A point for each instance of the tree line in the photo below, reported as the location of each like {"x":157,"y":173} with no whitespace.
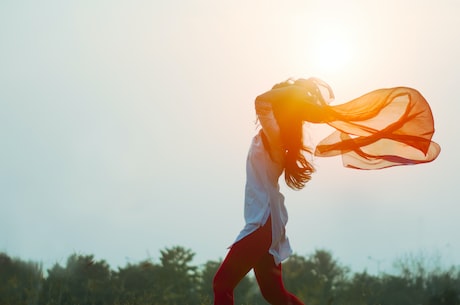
{"x":316,"y":279}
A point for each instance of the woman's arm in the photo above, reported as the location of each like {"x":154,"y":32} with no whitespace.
{"x":270,"y":129}
{"x":294,"y":99}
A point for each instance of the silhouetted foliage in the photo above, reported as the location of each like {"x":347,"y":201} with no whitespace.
{"x":179,"y":279}
{"x":315,"y":279}
{"x":82,"y":281}
{"x":136,"y":284}
{"x":20,"y":282}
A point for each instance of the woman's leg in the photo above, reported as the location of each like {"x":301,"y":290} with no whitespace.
{"x":269,"y":278}
{"x":241,"y":258}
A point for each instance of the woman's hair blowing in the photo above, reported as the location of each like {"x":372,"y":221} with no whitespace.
{"x":288,"y":114}
{"x":297,"y":169}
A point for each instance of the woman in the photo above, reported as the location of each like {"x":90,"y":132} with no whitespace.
{"x":278,"y":147}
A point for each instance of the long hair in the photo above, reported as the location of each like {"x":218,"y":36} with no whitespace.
{"x":297,"y":170}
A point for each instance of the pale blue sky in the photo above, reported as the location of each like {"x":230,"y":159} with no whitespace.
{"x":124,"y":125}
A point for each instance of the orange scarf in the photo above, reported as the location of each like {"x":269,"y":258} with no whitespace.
{"x":383,"y":128}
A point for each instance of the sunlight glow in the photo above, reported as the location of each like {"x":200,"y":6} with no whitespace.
{"x":331,"y":50}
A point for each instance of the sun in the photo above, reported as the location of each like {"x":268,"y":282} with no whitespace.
{"x":331,"y":50}
{"x":326,"y":45}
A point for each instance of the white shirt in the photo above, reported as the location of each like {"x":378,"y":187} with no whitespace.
{"x":264,"y":166}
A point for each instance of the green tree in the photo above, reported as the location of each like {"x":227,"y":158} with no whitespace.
{"x":20,"y":281}
{"x":444,"y":288}
{"x":399,"y":290}
{"x":298,"y":276}
{"x":137,"y":283}
{"x":362,"y":289}
{"x":205,"y":281}
{"x":83,"y":281}
{"x":314,"y":280}
{"x":179,"y":279}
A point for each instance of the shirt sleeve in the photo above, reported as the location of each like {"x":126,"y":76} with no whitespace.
{"x":270,"y":129}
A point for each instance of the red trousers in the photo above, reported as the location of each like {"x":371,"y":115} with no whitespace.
{"x":252,"y":253}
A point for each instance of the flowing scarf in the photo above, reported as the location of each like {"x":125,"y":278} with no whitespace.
{"x":383,"y":128}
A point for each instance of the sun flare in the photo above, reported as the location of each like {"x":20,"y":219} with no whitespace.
{"x":331,"y":50}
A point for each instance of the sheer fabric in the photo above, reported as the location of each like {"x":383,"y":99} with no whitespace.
{"x":383,"y":128}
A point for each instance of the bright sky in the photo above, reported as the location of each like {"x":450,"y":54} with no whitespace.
{"x":124,"y":125}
